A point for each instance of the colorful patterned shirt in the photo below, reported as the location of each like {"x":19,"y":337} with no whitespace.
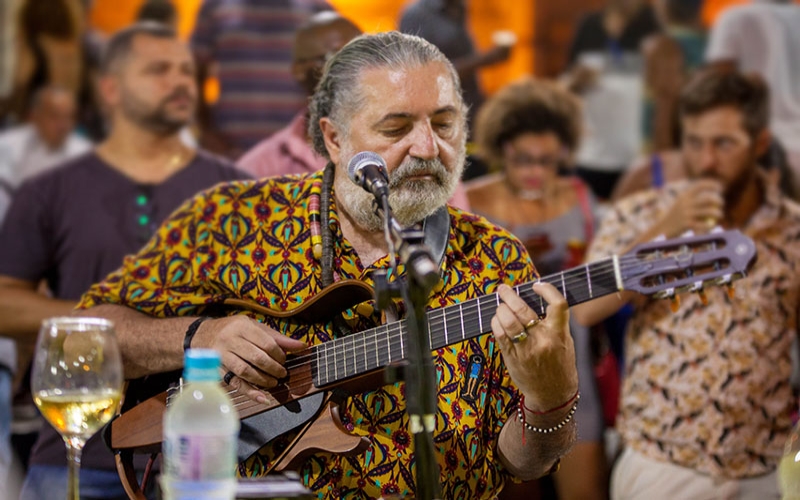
{"x":708,"y":387}
{"x":252,"y":240}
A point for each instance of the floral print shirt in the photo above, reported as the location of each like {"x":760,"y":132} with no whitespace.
{"x":707,"y":387}
{"x":253,"y":240}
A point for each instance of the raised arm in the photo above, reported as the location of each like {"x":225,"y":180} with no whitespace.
{"x":541,"y":364}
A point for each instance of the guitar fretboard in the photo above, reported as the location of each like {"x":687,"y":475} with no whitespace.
{"x":378,"y":347}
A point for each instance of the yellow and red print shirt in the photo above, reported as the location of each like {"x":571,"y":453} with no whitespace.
{"x":252,"y":240}
{"x":707,"y":387}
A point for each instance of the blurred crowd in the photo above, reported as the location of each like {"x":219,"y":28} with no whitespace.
{"x":659,"y":123}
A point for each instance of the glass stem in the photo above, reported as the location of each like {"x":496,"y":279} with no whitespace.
{"x":74,"y":450}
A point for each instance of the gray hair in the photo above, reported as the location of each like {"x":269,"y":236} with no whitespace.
{"x":337,"y":95}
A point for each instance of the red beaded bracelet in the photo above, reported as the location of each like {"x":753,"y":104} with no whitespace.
{"x":552,"y":410}
{"x":525,"y":425}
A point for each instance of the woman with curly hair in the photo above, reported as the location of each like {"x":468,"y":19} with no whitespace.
{"x":529,"y":131}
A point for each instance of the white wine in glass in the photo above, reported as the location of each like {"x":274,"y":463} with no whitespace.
{"x":76,"y":382}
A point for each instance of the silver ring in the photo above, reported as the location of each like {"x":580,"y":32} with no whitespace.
{"x":519,"y":337}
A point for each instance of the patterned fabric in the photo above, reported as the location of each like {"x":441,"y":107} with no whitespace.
{"x":708,"y":387}
{"x":252,"y":240}
{"x":250,"y":42}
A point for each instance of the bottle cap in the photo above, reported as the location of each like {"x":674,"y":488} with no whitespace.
{"x":201,"y":365}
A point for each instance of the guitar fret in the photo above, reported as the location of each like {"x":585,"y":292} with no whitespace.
{"x":364,"y":347}
{"x":563,"y":285}
{"x":461,"y":317}
{"x":444,"y":322}
{"x":327,"y":363}
{"x":335,"y":360}
{"x":388,"y":345}
{"x":402,"y":347}
{"x":317,"y":374}
{"x":589,"y":282}
{"x":377,"y":358}
{"x":480,"y":318}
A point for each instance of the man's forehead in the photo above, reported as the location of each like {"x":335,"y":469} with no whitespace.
{"x":145,"y":48}
{"x":723,"y":118}
{"x":426,"y":89}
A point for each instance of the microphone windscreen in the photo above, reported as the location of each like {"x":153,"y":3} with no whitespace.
{"x":361,"y":160}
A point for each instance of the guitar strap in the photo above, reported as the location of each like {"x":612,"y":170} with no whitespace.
{"x":437,"y":232}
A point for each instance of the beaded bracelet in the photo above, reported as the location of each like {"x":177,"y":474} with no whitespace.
{"x":540,"y":430}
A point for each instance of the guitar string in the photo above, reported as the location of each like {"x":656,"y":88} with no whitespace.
{"x":466,"y":308}
{"x":393,"y":332}
{"x":599,"y":277}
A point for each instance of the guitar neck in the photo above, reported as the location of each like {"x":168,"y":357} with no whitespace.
{"x":379,"y":347}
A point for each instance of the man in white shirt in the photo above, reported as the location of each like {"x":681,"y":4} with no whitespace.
{"x":47,"y":140}
{"x":763,"y":37}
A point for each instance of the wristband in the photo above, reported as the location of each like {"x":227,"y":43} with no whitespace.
{"x":187,"y":340}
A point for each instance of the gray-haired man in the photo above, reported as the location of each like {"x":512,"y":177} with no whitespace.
{"x":396,"y":95}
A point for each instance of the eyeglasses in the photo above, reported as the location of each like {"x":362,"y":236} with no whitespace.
{"x":526,"y":161}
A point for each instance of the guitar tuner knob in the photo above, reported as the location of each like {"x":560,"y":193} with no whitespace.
{"x":724,"y":279}
{"x":687,"y":234}
{"x":703,"y":297}
{"x":667,"y":293}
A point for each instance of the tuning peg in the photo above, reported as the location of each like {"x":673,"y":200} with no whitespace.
{"x":687,"y":234}
{"x":675,"y":303}
{"x":725,"y":279}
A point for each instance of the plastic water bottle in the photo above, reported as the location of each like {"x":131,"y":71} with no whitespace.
{"x":789,"y":468}
{"x":201,"y":428}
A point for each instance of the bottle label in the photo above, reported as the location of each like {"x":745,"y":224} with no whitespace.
{"x":200,"y":457}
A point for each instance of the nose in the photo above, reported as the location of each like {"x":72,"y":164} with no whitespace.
{"x":707,"y":161}
{"x":423,"y":142}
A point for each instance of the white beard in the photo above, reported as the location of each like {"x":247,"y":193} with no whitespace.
{"x":411,"y":200}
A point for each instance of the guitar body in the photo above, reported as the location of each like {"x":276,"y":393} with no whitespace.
{"x":294,"y":405}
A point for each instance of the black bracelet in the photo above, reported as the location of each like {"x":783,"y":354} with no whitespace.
{"x":187,"y":340}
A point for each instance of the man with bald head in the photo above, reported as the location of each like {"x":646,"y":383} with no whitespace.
{"x":288,"y":151}
{"x":48,"y":139}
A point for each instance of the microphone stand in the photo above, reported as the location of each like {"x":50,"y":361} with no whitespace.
{"x":421,"y":392}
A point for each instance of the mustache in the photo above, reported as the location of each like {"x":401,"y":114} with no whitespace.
{"x":179,"y":92}
{"x":417,"y":167}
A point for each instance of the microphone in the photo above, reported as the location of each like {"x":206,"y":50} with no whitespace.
{"x":368,"y":170}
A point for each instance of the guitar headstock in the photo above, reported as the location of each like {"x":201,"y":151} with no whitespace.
{"x":664,"y":267}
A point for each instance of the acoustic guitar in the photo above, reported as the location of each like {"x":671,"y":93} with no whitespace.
{"x":321,"y":376}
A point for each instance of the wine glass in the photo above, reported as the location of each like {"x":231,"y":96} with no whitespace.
{"x":76,"y":382}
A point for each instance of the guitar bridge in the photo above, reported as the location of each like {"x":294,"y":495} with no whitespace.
{"x":174,"y":390}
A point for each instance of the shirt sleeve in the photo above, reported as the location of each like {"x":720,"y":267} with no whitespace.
{"x":168,"y":276}
{"x":613,"y":235}
{"x":724,"y":40}
{"x":26,"y":244}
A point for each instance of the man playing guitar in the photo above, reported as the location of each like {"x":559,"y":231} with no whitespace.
{"x":262,"y":241}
